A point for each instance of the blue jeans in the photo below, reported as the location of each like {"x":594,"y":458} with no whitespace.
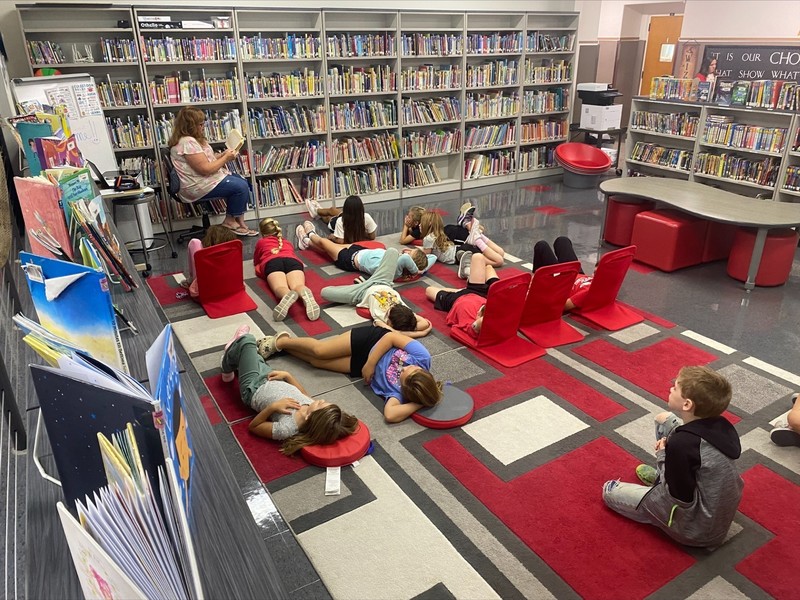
{"x":236,"y":191}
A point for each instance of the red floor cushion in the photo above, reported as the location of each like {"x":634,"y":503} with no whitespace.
{"x":342,"y":452}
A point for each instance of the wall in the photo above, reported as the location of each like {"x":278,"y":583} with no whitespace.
{"x":774,"y":20}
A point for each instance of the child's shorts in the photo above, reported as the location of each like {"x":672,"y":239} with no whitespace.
{"x":332,"y":223}
{"x":362,"y":339}
{"x":344,"y":260}
{"x":445,"y":300}
{"x":282,"y":264}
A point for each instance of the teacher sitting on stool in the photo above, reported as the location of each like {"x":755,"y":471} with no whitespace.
{"x":202,"y":174}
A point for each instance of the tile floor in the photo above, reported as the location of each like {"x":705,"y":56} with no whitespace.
{"x":762,"y":323}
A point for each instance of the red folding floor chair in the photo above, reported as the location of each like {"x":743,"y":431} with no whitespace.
{"x":220,"y":280}
{"x":498,"y":337}
{"x":600,"y":304}
{"x":542,"y":320}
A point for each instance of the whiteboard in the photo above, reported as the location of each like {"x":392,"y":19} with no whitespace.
{"x":79,"y":93}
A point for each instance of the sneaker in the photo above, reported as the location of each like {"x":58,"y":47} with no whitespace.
{"x":243,"y":330}
{"x":647,"y":474}
{"x":312,"y":308}
{"x":302,"y":239}
{"x":282,"y":309}
{"x":463,"y":265}
{"x":459,"y":254}
{"x":783,"y":436}
{"x":474,"y":233}
{"x":309,"y":228}
{"x":269,"y":345}
{"x":465,"y":213}
{"x":794,"y":397}
{"x":313,"y":207}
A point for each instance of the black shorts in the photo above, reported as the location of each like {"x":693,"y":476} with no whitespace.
{"x":362,"y":339}
{"x":332,"y":223}
{"x":445,"y":300}
{"x":456,"y":233}
{"x":282,"y":265}
{"x":344,"y":260}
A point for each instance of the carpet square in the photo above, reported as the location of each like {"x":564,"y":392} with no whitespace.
{"x":632,"y":334}
{"x":228,"y":398}
{"x":344,"y":315}
{"x":333,"y":270}
{"x":717,"y":588}
{"x":165,"y":288}
{"x":759,"y":441}
{"x":752,"y":391}
{"x":264,"y":455}
{"x":202,"y":333}
{"x":519,"y":431}
{"x":307,"y":496}
{"x":641,"y":432}
{"x":454,"y":367}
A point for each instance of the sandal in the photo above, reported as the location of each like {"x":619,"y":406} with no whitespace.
{"x":242,"y":231}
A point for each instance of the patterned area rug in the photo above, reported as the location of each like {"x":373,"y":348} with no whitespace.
{"x":509,"y":505}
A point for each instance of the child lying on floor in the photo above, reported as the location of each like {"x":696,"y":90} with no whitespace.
{"x":435,"y":241}
{"x":377,"y":293}
{"x":562,"y":252}
{"x":285,"y":411}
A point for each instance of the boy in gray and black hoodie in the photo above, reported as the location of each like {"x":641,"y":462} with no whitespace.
{"x":695,"y":487}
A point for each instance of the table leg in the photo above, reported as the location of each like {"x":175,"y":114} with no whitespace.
{"x":143,"y":241}
{"x":755,"y":258}
{"x":602,"y":225}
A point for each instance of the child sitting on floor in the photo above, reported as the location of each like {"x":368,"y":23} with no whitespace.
{"x":437,"y":240}
{"x":787,"y":433}
{"x":275,"y":260}
{"x":411,"y":231}
{"x":216,"y":234}
{"x":695,"y":489}
{"x":377,"y":293}
{"x":348,"y":225}
{"x":285,"y":410}
{"x":355,"y":258}
{"x":394,"y":365}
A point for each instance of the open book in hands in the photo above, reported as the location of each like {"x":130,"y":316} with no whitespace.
{"x":235,"y":140}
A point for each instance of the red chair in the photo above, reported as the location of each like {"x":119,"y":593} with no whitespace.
{"x":220,"y":280}
{"x":542,"y":320}
{"x":600,"y":305}
{"x":582,"y":158}
{"x":498,"y":337}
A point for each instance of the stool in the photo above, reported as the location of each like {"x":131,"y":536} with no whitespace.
{"x":719,"y":240}
{"x":668,"y":239}
{"x":620,"y":213}
{"x":776,"y":261}
{"x":135,"y":200}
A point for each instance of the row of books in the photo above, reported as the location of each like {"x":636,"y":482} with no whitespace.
{"x":311,"y":154}
{"x":296,"y":84}
{"x":363,"y":114}
{"x":316,"y":186}
{"x":278,"y":191}
{"x":145,"y":165}
{"x":174,"y":90}
{"x":537,"y":157}
{"x":674,"y":158}
{"x":672,"y":88}
{"x":431,"y":44}
{"x":365,"y":180}
{"x":430,"y":110}
{"x":419,"y":144}
{"x":792,"y":179}
{"x":120,"y":93}
{"x":287,"y":120}
{"x":541,"y":101}
{"x":486,"y":136}
{"x":498,"y":72}
{"x":502,"y":162}
{"x":751,"y":137}
{"x":292,"y":45}
{"x":494,"y":43}
{"x":684,"y":124}
{"x":497,"y":104}
{"x":547,"y":71}
{"x":420,"y":174}
{"x":216,"y":127}
{"x":541,"y":130}
{"x":43,"y":52}
{"x":118,"y":50}
{"x":360,"y":44}
{"x":130,"y":132}
{"x":382,"y":146}
{"x":730,"y":166}
{"x":430,"y":77}
{"x":549,"y":42}
{"x":170,"y":49}
{"x":796,"y":144}
{"x":344,"y":80}
{"x":189,"y":210}
{"x":777,"y":94}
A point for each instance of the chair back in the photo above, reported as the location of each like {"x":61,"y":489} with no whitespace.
{"x":549,"y":291}
{"x":172,"y":180}
{"x":504,"y":305}
{"x":220,"y":280}
{"x":607,"y":279}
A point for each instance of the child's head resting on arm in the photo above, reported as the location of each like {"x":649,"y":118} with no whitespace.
{"x":401,"y":318}
{"x":324,"y":424}
{"x":419,"y":386}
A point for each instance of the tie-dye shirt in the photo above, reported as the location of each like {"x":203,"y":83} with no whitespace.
{"x":386,"y":380}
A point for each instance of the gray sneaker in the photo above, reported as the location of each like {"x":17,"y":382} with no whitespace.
{"x":463,"y":265}
{"x":282,"y":309}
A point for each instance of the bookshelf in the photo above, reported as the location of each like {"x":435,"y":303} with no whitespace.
{"x":382,"y":103}
{"x":744,"y":150}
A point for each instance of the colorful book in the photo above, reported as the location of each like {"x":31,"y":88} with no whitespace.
{"x":28,"y":133}
{"x":56,"y":152}
{"x":739,"y":93}
{"x":45,"y":225}
{"x":703,"y":91}
{"x":722,"y":93}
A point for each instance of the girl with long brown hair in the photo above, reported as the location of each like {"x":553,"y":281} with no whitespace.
{"x":348,"y":225}
{"x":203,"y":175}
{"x":285,"y":411}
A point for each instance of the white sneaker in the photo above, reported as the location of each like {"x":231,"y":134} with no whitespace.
{"x":463,"y":265}
{"x":302,"y":239}
{"x":312,"y":307}
{"x":309,"y":228}
{"x":474,"y":233}
{"x":313,"y":207}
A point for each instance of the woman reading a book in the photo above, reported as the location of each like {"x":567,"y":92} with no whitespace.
{"x":285,"y":410}
{"x":203,"y":175}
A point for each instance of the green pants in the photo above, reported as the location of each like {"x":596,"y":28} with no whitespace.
{"x":242,"y":355}
{"x":355,"y":293}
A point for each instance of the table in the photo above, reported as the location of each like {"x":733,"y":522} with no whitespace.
{"x":619,"y":133}
{"x":710,"y":203}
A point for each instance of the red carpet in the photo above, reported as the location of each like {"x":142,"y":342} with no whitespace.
{"x":165,"y":288}
{"x":265,"y":455}
{"x":227,"y":397}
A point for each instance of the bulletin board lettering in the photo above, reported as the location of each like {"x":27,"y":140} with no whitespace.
{"x":756,"y":62}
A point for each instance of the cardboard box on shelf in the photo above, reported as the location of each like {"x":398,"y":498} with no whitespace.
{"x":600,"y":118}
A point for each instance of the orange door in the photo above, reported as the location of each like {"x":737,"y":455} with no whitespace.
{"x":662,"y":30}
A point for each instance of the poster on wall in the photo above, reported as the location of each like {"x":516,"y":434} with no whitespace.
{"x":750,"y":63}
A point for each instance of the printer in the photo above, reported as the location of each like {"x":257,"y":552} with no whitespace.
{"x":598,"y":111}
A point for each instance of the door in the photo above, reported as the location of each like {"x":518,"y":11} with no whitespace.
{"x":662,"y":30}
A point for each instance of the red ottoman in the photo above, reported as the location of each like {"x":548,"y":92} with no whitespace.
{"x":621,"y":212}
{"x":776,"y":261}
{"x":668,"y":239}
{"x":719,"y":240}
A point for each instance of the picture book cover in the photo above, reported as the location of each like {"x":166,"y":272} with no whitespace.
{"x":45,"y":225}
{"x":75,"y":183}
{"x":723,"y":91}
{"x":28,"y":133}
{"x":739,"y":93}
{"x":55,"y":152}
{"x":62,"y":292}
{"x":704,"y":91}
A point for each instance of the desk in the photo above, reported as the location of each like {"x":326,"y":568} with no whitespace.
{"x":713,"y":204}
